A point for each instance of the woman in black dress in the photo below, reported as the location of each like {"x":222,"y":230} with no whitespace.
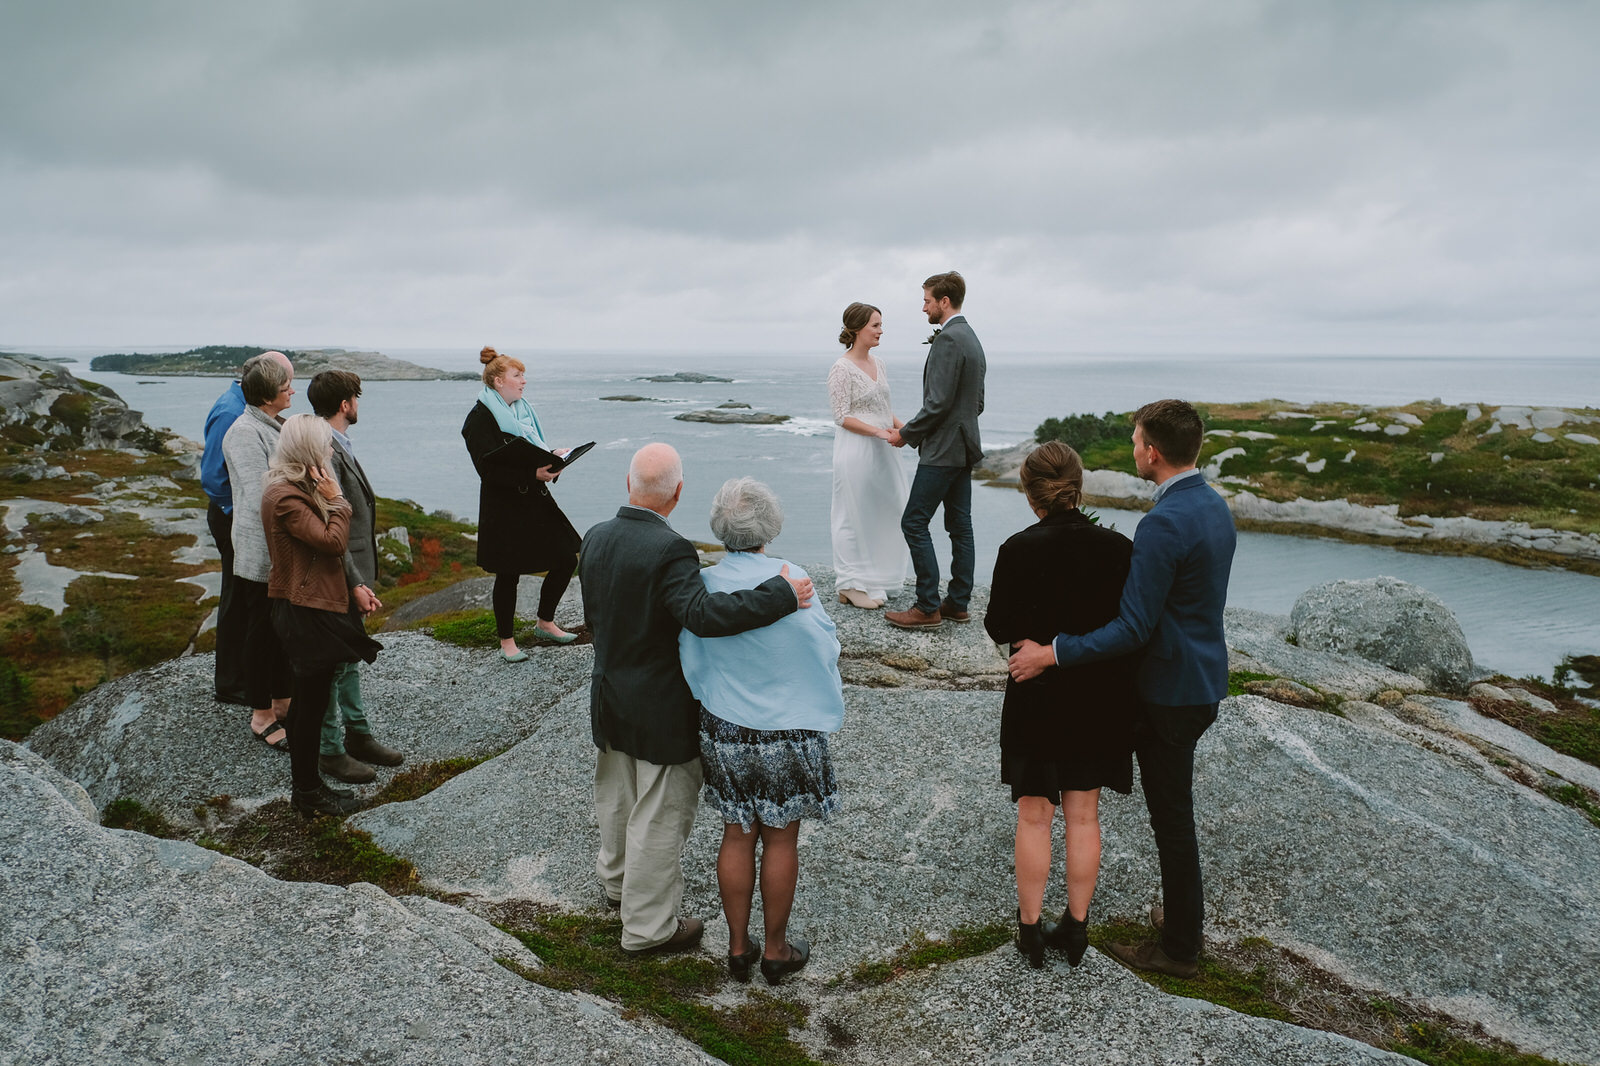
{"x":1065,"y":734}
{"x":520,"y":528}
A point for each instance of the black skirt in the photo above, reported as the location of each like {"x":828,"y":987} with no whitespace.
{"x":315,"y":639}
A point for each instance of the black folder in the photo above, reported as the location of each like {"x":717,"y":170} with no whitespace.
{"x":520,"y":453}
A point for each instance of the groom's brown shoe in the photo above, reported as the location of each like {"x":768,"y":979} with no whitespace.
{"x":1150,"y":957}
{"x":914,"y":618}
{"x":950,"y":614}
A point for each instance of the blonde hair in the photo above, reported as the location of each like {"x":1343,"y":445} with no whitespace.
{"x":303,"y":442}
{"x":1052,"y":476}
{"x":496,"y":365}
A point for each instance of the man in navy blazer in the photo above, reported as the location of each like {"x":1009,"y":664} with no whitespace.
{"x":1172,"y":608}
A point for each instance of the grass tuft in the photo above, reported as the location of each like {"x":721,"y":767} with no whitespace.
{"x":581,"y":954}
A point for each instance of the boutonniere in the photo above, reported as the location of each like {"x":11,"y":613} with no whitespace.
{"x":932,"y":335}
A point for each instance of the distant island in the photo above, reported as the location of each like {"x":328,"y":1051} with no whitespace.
{"x":685,"y":375}
{"x":1516,"y":483}
{"x":224,"y":360}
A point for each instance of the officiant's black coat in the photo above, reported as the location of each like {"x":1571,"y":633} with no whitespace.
{"x":521,"y":530}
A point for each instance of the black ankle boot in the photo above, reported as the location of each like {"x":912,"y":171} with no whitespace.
{"x":311,"y":802}
{"x":1071,"y":936}
{"x":1030,"y":941}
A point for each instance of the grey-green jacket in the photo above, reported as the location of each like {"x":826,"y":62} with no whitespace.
{"x":247,"y":448}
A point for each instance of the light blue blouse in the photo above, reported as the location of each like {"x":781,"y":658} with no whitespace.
{"x":781,"y":676}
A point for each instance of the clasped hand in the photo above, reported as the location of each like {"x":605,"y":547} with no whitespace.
{"x":1030,"y":660}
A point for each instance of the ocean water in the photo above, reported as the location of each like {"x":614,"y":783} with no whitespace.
{"x":1517,"y":620}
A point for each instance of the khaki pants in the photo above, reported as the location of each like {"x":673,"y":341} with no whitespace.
{"x":645,"y":813}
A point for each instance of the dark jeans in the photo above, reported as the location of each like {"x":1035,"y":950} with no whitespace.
{"x":952,"y":487}
{"x":230,"y":671}
{"x":504,"y":597}
{"x":1164,"y":740}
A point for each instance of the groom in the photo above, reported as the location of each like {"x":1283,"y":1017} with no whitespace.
{"x":945,"y":434}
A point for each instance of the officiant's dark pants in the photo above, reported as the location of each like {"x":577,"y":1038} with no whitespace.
{"x":1164,"y":742}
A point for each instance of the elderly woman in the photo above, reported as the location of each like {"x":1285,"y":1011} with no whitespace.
{"x":1065,"y":734}
{"x":520,"y":528}
{"x":307,"y":523}
{"x":247,"y":447}
{"x":769,"y":697}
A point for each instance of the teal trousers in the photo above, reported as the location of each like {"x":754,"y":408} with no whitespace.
{"x":344,"y":706}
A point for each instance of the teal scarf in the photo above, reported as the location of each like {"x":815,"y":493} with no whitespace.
{"x":516,"y":419}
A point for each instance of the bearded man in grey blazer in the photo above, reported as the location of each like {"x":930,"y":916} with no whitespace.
{"x":945,"y":434}
{"x":335,"y":395}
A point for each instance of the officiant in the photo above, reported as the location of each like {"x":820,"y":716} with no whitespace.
{"x":521,"y":530}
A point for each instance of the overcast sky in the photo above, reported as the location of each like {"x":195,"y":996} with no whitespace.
{"x":1215,"y":176}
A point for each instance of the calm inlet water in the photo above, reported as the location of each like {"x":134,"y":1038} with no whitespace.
{"x":1518,"y":621}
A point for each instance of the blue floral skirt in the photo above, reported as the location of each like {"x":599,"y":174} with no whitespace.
{"x":771,"y":776}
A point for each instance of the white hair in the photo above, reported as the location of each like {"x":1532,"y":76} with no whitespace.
{"x":745,"y":515}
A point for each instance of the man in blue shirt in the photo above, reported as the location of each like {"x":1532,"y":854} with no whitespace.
{"x":1172,"y":608}
{"x":229,"y":676}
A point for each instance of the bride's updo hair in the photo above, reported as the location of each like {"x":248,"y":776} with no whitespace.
{"x":856,"y":316}
{"x":496,"y":365}
{"x":1052,"y":476}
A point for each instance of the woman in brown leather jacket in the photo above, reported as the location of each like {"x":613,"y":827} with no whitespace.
{"x":307,"y":522}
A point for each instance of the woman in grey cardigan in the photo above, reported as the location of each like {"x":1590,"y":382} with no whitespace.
{"x":247,"y":448}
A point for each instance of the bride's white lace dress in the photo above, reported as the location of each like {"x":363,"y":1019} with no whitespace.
{"x":869,"y":486}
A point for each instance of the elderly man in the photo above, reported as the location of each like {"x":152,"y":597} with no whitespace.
{"x":229,"y":677}
{"x":641,"y":587}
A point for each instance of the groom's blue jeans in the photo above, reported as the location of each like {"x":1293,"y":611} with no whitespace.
{"x":1164,"y":740}
{"x":952,"y":487}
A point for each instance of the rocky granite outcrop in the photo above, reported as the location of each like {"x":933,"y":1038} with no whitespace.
{"x":44,"y":407}
{"x":1397,"y":844}
{"x":117,"y":947}
{"x":1389,"y":621}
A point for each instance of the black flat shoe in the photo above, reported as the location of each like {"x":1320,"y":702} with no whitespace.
{"x":739,"y":965}
{"x":1071,"y":936}
{"x":1030,"y":941}
{"x":311,"y":802}
{"x":774,"y":969}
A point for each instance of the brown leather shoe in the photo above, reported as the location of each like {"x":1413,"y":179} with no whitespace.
{"x":362,"y":746}
{"x":913,"y":618}
{"x":1150,"y":957}
{"x":950,"y":614}
{"x":346,"y":769}
{"x":687,"y":936}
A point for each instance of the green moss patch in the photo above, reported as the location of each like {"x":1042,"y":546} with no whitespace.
{"x":923,"y":952}
{"x":275,"y":838}
{"x":1573,"y":729}
{"x":125,"y":813}
{"x":581,"y":954}
{"x":1258,"y":978}
{"x":418,"y":781}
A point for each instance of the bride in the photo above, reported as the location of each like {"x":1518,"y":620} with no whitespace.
{"x":870,"y":556}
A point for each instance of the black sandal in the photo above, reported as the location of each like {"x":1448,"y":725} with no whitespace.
{"x":281,"y":744}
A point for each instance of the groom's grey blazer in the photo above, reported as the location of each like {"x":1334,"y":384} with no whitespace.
{"x":945,"y":430}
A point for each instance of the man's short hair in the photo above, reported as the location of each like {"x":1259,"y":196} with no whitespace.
{"x":1174,"y":427}
{"x":262,"y":379}
{"x":330,"y":389}
{"x":952,"y":285}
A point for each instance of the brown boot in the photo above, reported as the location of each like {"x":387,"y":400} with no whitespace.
{"x":363,"y":747}
{"x":346,"y":769}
